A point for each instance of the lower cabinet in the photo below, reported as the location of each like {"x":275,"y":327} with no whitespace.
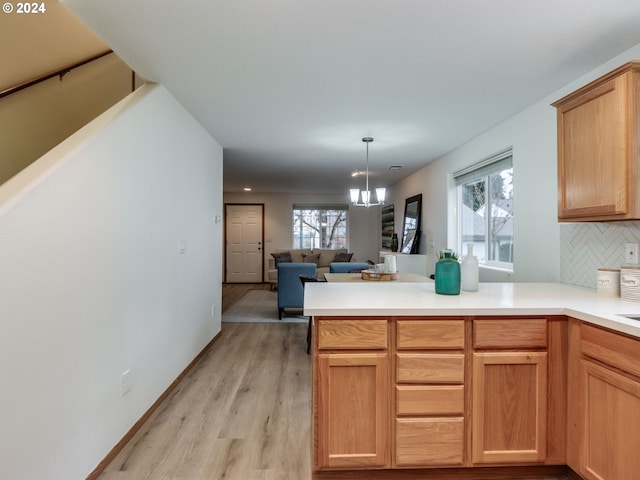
{"x":430,"y":398}
{"x":611,"y":440}
{"x":354,"y":413}
{"x":351,"y":395}
{"x":413,"y":393}
{"x":608,"y":406}
{"x":509,"y":407}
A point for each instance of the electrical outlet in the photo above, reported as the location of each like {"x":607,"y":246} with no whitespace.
{"x":126,"y":382}
{"x":213,"y":311}
{"x":631,"y":253}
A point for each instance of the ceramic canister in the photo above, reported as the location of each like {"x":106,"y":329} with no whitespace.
{"x":608,"y":282}
{"x":390,"y":263}
{"x":630,"y":283}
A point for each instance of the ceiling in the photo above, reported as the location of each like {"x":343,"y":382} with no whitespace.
{"x":289,"y":88}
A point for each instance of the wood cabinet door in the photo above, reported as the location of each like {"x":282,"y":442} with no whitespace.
{"x":594,"y":158}
{"x":352,"y":410}
{"x":611,"y":423}
{"x":509,"y":414}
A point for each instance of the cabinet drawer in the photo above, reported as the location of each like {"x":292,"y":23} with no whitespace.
{"x":611,"y":348}
{"x":429,"y":441}
{"x":430,"y":334}
{"x":430,"y":400}
{"x":352,"y":334}
{"x":430,"y":368}
{"x":510,"y":333}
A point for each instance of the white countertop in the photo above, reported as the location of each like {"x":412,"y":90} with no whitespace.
{"x":403,"y":298}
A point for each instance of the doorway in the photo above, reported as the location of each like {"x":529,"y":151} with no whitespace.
{"x":244,"y":234}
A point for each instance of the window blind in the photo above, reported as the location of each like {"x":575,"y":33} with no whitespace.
{"x":489,"y":166}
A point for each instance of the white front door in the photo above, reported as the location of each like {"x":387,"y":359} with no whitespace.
{"x":244,"y":255}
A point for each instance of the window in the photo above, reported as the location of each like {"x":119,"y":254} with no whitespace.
{"x":317,"y":226}
{"x":485,"y":210}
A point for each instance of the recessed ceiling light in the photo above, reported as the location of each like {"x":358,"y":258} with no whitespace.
{"x":395,"y":167}
{"x":247,"y":189}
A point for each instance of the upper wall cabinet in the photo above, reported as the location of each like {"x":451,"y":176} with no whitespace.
{"x":599,"y":149}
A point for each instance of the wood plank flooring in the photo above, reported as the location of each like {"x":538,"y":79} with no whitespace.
{"x":242,"y":413}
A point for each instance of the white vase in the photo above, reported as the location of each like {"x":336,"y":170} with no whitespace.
{"x":469,"y":271}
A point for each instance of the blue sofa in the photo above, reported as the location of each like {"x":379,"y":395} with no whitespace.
{"x":290,"y":290}
{"x":346,"y":267}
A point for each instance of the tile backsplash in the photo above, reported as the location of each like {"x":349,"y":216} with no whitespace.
{"x":585,"y":247}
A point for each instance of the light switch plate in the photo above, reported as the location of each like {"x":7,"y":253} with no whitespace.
{"x":126,"y":382}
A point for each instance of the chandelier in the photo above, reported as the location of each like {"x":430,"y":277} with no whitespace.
{"x":365,"y":199}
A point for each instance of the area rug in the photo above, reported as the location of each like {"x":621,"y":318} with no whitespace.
{"x":261,"y":306}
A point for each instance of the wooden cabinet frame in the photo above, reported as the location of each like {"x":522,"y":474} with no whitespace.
{"x":429,"y":374}
{"x":598,"y":158}
{"x":369,"y":371}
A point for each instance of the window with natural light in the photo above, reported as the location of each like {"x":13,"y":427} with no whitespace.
{"x":318,"y":226}
{"x":485,"y":210}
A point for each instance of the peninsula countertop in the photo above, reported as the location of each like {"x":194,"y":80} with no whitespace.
{"x":409,"y":299}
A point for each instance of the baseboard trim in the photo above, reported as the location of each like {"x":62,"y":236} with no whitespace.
{"x":462,"y":473}
{"x":571,"y":475}
{"x":136,"y":426}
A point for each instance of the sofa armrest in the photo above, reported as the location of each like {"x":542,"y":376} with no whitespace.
{"x":290,"y":290}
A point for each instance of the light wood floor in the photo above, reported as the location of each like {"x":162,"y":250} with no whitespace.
{"x":242,"y":413}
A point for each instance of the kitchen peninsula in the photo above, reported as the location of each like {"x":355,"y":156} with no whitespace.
{"x":511,"y":381}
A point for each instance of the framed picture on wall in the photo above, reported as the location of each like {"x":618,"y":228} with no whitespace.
{"x":387,"y":225}
{"x":411,"y":226}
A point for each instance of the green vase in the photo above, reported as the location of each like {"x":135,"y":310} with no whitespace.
{"x":447,"y":276}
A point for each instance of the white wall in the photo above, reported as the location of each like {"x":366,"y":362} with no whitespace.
{"x":364,"y":223}
{"x":532,"y":134}
{"x":92,"y":283}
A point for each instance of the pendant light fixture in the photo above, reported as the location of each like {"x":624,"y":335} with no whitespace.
{"x":365,"y":200}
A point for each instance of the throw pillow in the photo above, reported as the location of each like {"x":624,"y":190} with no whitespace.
{"x":343,"y":257}
{"x":311,"y":258}
{"x":281,"y":257}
